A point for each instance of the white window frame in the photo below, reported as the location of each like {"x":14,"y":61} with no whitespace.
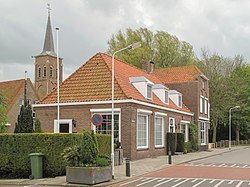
{"x":180,"y":101}
{"x":151,"y":91}
{"x":147,"y":131}
{"x":201,"y":104}
{"x":205,"y":105}
{"x":173,"y":124}
{"x":185,"y":123}
{"x":162,"y":131}
{"x":107,"y":111}
{"x":57,"y":126}
{"x":203,"y":131}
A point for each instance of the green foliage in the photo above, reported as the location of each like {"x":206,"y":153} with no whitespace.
{"x":187,"y":147}
{"x":165,"y":49}
{"x":171,"y":142}
{"x":193,"y":136}
{"x":15,"y":150}
{"x":180,"y":142}
{"x":3,"y":119}
{"x":86,"y":153}
{"x":25,"y":119}
{"x":38,"y":128}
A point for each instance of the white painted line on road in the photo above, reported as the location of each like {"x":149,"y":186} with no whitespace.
{"x":147,"y":182}
{"x":163,"y":182}
{"x":194,"y":180}
{"x":238,"y":185}
{"x":245,"y":166}
{"x":180,"y":182}
{"x":221,"y":165}
{"x":233,"y":165}
{"x":211,"y":181}
{"x":177,"y":180}
{"x":199,"y":183}
{"x":231,"y":182}
{"x":145,"y":179}
{"x":210,"y":164}
{"x":218,"y":184}
{"x":249,"y":184}
{"x":131,"y":181}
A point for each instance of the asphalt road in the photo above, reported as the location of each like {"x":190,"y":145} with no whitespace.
{"x":230,"y":169}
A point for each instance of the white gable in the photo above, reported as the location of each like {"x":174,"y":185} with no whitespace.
{"x":160,"y":91}
{"x":176,"y":97}
{"x":141,"y":84}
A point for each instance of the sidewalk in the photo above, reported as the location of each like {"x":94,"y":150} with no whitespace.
{"x":138,"y":167}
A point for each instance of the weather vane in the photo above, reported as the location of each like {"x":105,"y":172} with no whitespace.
{"x":49,"y":9}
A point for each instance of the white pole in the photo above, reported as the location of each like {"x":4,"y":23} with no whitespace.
{"x":58,"y":82}
{"x":230,"y":128}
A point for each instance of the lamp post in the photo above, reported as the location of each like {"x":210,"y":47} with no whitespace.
{"x":58,"y":82}
{"x":230,"y":128}
{"x":132,"y":46}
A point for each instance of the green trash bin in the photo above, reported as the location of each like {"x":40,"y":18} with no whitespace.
{"x":36,"y":165}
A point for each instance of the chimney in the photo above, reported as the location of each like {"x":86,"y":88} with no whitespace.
{"x":148,"y":66}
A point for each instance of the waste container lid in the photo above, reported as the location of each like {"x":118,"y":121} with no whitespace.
{"x":36,"y":154}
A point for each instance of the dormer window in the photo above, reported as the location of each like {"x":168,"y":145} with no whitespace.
{"x":166,"y":97}
{"x":149,"y":91}
{"x":180,"y":101}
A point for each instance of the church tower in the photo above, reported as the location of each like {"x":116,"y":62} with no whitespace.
{"x":46,"y":64}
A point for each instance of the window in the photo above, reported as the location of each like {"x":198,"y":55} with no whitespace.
{"x":203,"y":84}
{"x":51,"y":71}
{"x":39,"y":72}
{"x":180,"y":101}
{"x":166,"y":97}
{"x":203,"y":132}
{"x":105,"y":128}
{"x":149,"y":91}
{"x":159,"y":132}
{"x":171,"y":125}
{"x":142,"y":131}
{"x":184,"y":130}
{"x":205,"y":106}
{"x":44,"y":71}
{"x":201,"y":104}
{"x":64,"y":126}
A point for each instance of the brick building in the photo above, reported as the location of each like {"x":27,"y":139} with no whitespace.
{"x":14,"y":92}
{"x":193,"y":84}
{"x":145,"y":109}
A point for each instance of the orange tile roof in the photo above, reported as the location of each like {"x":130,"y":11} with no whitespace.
{"x":177,"y":74}
{"x":92,"y":82}
{"x":11,"y":89}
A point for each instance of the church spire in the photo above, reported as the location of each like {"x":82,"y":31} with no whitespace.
{"x":48,"y":47}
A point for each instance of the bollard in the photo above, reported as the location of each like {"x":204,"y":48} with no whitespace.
{"x":127,"y":167}
{"x":169,"y":156}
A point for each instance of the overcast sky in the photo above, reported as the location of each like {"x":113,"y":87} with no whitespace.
{"x":222,"y":26}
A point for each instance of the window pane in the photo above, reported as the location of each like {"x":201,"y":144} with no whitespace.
{"x":149,"y":91}
{"x":142,"y":131}
{"x":158,"y":131}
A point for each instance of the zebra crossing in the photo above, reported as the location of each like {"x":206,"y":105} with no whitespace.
{"x":218,"y":165}
{"x":185,"y":182}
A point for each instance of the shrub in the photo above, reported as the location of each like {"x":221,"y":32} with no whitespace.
{"x":193,"y":136}
{"x":38,"y":128}
{"x":15,"y":150}
{"x":187,"y":147}
{"x":171,"y":142}
{"x":180,"y":142}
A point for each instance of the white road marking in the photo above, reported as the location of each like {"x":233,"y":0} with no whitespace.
{"x":180,"y":182}
{"x":221,"y":165}
{"x":163,"y":182}
{"x":218,"y":184}
{"x":238,"y":185}
{"x":177,"y":180}
{"x":194,"y":180}
{"x":231,"y":182}
{"x":199,"y":183}
{"x":147,"y":182}
{"x":245,"y":166}
{"x":211,"y":181}
{"x":233,"y":165}
{"x":145,"y":179}
{"x":131,"y":181}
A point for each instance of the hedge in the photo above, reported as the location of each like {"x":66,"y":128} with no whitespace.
{"x":180,"y":142}
{"x":171,"y":141}
{"x":15,"y":150}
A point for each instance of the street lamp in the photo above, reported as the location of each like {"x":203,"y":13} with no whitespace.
{"x":58,"y":74}
{"x":132,"y":46}
{"x":230,"y":121}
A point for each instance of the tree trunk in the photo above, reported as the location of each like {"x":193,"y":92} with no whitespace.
{"x":214,"y":131}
